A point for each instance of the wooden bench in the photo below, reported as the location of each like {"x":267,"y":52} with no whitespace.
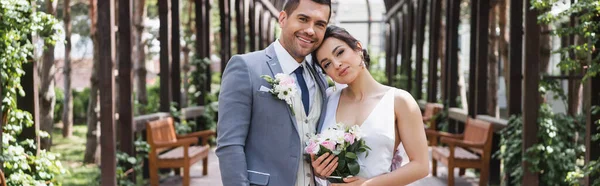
{"x":472,"y":149}
{"x":168,"y":150}
{"x":429,"y":119}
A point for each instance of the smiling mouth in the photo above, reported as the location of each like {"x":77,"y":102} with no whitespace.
{"x":307,"y":41}
{"x":344,"y":71}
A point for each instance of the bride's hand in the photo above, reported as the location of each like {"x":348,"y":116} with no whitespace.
{"x":324,"y":165}
{"x":351,"y":181}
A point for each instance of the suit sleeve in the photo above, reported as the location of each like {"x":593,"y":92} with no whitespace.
{"x":235,"y":105}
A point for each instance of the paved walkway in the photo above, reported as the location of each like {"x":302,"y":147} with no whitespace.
{"x":214,"y":176}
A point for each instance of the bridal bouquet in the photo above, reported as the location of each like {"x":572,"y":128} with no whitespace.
{"x":344,"y":142}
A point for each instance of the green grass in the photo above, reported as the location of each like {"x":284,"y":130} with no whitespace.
{"x":72,"y":150}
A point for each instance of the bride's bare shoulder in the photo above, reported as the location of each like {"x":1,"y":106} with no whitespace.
{"x":404,"y":100}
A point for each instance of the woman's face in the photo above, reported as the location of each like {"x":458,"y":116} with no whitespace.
{"x":340,"y":62}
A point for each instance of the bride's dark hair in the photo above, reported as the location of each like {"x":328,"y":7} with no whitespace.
{"x":341,"y":34}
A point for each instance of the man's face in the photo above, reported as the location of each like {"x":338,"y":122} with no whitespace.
{"x":302,"y":31}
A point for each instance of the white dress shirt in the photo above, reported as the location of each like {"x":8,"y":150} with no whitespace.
{"x":289,"y":65}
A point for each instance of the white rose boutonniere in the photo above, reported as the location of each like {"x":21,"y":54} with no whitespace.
{"x":284,"y":88}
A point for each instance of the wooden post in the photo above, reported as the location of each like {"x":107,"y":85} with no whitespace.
{"x":408,"y":43}
{"x":398,"y":46}
{"x":106,"y":38}
{"x":207,"y":45}
{"x":240,"y":23}
{"x":452,"y":62}
{"x":434,"y":41}
{"x":202,"y":42}
{"x":393,"y":50}
{"x":252,"y":25}
{"x":261,"y":28}
{"x":388,"y":52}
{"x":452,"y":53}
{"x":593,"y":147}
{"x":175,"y":55}
{"x":531,"y":79}
{"x":224,"y":10}
{"x":125,"y":82}
{"x":165,"y":54}
{"x":421,"y":17}
{"x":515,"y":65}
{"x":483,"y":11}
{"x":473,"y":61}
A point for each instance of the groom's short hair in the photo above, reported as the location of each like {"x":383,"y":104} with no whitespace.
{"x":291,"y":5}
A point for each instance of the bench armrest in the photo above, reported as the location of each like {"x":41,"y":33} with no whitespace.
{"x":179,"y":142}
{"x":461,"y":143}
{"x":204,"y":133}
{"x":434,"y":133}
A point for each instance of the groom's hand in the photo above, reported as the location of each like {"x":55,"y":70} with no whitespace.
{"x":324,"y":165}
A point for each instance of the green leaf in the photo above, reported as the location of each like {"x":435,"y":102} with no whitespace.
{"x":353,"y":167}
{"x":350,"y":155}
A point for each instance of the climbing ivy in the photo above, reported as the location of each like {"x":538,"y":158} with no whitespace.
{"x":22,"y":166}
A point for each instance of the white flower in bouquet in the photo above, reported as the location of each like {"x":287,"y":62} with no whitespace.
{"x":356,"y":131}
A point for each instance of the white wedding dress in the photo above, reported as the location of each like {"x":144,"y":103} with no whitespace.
{"x":379,"y":135}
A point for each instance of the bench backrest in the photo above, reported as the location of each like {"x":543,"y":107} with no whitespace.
{"x":160,"y":131}
{"x":431,"y":109}
{"x":478,"y":131}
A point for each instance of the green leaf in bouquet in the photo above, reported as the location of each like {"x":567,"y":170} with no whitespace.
{"x":353,"y":167}
{"x":350,"y":155}
{"x":354,"y":147}
{"x":323,"y":150}
{"x":341,"y":164}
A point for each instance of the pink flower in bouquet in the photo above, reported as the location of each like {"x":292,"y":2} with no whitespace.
{"x":329,"y":145}
{"x":312,"y":148}
{"x":349,"y":138}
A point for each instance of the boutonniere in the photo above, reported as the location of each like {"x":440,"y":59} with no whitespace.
{"x":284,"y":88}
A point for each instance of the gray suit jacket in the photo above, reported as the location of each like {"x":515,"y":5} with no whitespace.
{"x":258,"y":142}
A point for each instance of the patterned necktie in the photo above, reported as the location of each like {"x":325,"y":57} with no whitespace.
{"x":300,"y":78}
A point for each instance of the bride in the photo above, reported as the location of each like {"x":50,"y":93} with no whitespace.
{"x":386,"y":115}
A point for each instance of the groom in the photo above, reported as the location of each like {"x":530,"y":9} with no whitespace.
{"x":260,"y":137}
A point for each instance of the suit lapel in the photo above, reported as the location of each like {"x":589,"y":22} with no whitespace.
{"x":275,"y":67}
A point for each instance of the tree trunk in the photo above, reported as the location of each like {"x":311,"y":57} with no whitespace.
{"x":492,"y":89}
{"x":91,"y":144}
{"x":67,"y":115}
{"x":138,"y":52}
{"x":503,"y":39}
{"x":47,"y":96}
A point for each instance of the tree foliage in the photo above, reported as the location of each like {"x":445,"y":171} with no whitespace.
{"x":587,"y":29}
